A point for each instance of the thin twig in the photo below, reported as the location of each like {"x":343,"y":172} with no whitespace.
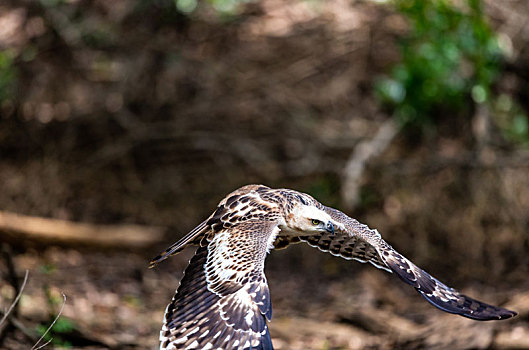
{"x":51,"y":326}
{"x":16,"y":299}
{"x":43,"y":345}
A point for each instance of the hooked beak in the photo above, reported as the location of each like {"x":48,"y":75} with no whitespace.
{"x":330,"y":227}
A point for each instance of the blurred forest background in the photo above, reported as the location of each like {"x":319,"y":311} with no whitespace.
{"x":124,"y":122}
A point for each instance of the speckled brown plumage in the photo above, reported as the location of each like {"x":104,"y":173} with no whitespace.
{"x":223,"y":301}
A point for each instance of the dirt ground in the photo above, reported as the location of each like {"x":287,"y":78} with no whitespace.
{"x":116,"y":302}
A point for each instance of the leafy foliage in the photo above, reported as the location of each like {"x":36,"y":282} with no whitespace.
{"x":511,"y":120}
{"x":449,"y":54}
{"x":62,"y":327}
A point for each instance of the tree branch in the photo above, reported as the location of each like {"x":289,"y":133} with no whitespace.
{"x":363,"y":153}
{"x":71,"y":233}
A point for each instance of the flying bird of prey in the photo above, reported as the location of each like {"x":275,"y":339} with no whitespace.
{"x":223,"y":301}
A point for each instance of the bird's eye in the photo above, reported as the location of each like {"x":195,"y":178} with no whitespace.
{"x":315,"y":222}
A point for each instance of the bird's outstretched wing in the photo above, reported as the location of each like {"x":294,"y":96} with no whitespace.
{"x":223,"y":300}
{"x":357,"y":241}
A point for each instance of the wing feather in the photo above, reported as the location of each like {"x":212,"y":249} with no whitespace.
{"x":440,"y":295}
{"x":193,"y":237}
{"x":357,"y":241}
{"x":223,"y":301}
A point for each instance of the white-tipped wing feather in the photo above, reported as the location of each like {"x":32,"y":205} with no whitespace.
{"x":387,"y":258}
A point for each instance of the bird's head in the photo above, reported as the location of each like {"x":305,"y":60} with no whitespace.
{"x":310,"y":219}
